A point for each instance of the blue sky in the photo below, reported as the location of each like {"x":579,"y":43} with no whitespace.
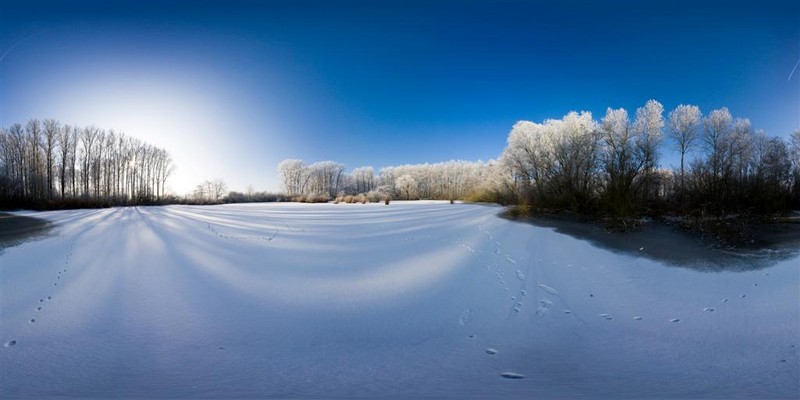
{"x":231,"y":88}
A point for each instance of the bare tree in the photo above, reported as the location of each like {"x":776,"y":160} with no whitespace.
{"x":64,"y":145}
{"x":51,"y":134}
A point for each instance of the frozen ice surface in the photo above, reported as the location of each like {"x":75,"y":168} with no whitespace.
{"x":375,"y":301}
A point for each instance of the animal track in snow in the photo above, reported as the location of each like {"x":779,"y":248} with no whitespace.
{"x":491,"y":351}
{"x":10,"y":343}
{"x":246,"y":237}
{"x":675,"y":320}
{"x":511,"y":260}
{"x":464,"y":317}
{"x":708,"y":309}
{"x":512,"y":375}
{"x":606,"y":317}
{"x":521,"y":276}
{"x":567,"y":312}
{"x":638,"y":318}
{"x":544,"y":307}
{"x":724,"y":301}
{"x":548,"y":289}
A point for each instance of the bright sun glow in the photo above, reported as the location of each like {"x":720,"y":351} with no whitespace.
{"x":174,"y":114}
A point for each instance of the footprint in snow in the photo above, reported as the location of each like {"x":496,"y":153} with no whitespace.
{"x":520,"y":275}
{"x":511,"y":260}
{"x":32,"y":320}
{"x":708,"y":309}
{"x":464,"y":317}
{"x":724,"y":301}
{"x":10,"y":343}
{"x":544,"y":308}
{"x":638,"y":318}
{"x":675,"y":320}
{"x":567,"y":312}
{"x":38,"y":308}
{"x":512,"y":375}
{"x":491,"y":351}
{"x":548,"y":289}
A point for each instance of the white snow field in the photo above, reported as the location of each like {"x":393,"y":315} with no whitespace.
{"x":417,"y":299}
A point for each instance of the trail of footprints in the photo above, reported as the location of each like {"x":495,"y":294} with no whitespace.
{"x":242,"y":237}
{"x":545,"y":304}
{"x":41,"y":303}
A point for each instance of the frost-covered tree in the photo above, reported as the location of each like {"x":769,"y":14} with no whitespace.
{"x":406,"y":186}
{"x":324,"y":178}
{"x":683,"y":124}
{"x":363,"y":179}
{"x":292,"y":176}
{"x":648,"y":126}
{"x":622,"y":159}
{"x":716,"y":135}
{"x":573,"y":171}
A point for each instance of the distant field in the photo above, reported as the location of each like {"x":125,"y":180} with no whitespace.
{"x":352,"y":300}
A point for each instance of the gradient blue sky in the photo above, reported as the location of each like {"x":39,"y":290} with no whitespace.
{"x":230,"y":88}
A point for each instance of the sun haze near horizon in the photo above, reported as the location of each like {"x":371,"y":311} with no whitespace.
{"x":232,"y":88}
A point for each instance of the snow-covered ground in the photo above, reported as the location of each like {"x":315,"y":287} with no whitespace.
{"x":410,"y":299}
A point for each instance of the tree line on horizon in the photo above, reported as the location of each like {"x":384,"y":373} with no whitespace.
{"x":327,"y":180}
{"x":45,"y":164}
{"x":611,"y":167}
{"x":607,"y":168}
